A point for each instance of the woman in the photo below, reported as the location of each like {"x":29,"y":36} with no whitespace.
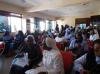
{"x":78,"y":45}
{"x":93,"y":35}
{"x":8,"y":39}
{"x":52,"y":60}
{"x":34,"y":56}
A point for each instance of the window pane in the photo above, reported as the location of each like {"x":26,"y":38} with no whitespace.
{"x":42,"y":25}
{"x":4,"y":26}
{"x":15,"y":24}
{"x":24,"y":25}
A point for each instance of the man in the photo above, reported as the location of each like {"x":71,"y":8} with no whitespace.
{"x":89,"y":63}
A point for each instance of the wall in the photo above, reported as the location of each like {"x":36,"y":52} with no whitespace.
{"x":68,"y":20}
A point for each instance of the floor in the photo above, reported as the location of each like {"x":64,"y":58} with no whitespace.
{"x":5,"y":64}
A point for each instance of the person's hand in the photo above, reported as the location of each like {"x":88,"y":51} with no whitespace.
{"x":83,"y":71}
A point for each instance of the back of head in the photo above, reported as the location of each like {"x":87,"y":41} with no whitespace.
{"x":97,"y":41}
{"x":50,"y":43}
{"x":30,"y":39}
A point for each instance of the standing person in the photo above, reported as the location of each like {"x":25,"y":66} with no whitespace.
{"x":57,"y":28}
{"x":27,"y":33}
{"x":7,"y":38}
{"x":19,"y":38}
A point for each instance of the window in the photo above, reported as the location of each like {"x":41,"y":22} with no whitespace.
{"x":42,"y":25}
{"x":53,"y":25}
{"x":15,"y":23}
{"x":4,"y":26}
{"x":82,"y":26}
{"x":32,"y":24}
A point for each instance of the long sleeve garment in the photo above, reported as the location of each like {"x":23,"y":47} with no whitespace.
{"x":52,"y":61}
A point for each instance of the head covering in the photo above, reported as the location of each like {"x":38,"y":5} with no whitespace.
{"x":51,"y":43}
{"x":30,"y":37}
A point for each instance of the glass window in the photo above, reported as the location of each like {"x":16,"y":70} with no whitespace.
{"x":15,"y":23}
{"x":42,"y":25}
{"x":24,"y":25}
{"x":82,"y":26}
{"x":4,"y":26}
{"x":32,"y":24}
{"x":53,"y":25}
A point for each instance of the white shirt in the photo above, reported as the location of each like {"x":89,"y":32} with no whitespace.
{"x":94,"y":37}
{"x":52,"y":63}
{"x":58,"y":39}
{"x":78,"y":64}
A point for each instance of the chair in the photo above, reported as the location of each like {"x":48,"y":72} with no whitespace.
{"x":60,"y":45}
{"x":68,"y":61}
{"x":2,"y":47}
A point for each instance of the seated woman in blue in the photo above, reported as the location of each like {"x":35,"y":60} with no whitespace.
{"x":78,"y":45}
{"x":7,"y":38}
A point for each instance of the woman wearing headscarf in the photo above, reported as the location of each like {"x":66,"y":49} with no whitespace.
{"x":34,"y":55}
{"x":52,"y":60}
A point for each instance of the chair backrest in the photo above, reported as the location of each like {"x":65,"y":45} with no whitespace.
{"x":2,"y":47}
{"x":60,"y":45}
{"x":67,"y":60}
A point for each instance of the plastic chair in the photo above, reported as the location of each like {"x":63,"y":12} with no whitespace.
{"x":67,"y":61}
{"x":2,"y":47}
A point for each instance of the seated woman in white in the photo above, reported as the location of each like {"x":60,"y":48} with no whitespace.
{"x":93,"y":35}
{"x":52,"y":58}
{"x":60,"y":38}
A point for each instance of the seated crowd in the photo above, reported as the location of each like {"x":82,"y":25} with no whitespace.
{"x":66,"y":51}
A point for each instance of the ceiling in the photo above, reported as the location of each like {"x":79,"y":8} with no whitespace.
{"x":58,"y":7}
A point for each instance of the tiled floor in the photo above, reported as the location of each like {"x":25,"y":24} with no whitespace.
{"x":6,"y":64}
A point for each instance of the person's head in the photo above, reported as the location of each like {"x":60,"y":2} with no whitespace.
{"x":30,"y":40}
{"x":60,"y":35}
{"x":78,"y":36}
{"x":6,"y":33}
{"x":20,"y":32}
{"x":50,"y":43}
{"x":28,"y":31}
{"x":92,"y":32}
{"x":97,"y":47}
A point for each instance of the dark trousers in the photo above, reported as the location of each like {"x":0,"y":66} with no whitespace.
{"x":18,"y":70}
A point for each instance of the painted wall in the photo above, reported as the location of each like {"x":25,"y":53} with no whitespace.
{"x":68,"y":20}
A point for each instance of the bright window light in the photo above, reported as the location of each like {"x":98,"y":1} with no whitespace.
{"x":32,"y":24}
{"x":24,"y":25}
{"x":53,"y":25}
{"x":47,"y":25}
{"x":42,"y":25}
{"x":15,"y":24}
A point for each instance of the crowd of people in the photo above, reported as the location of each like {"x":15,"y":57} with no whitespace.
{"x":44,"y":50}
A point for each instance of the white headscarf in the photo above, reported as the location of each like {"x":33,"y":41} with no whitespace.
{"x":50,"y":42}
